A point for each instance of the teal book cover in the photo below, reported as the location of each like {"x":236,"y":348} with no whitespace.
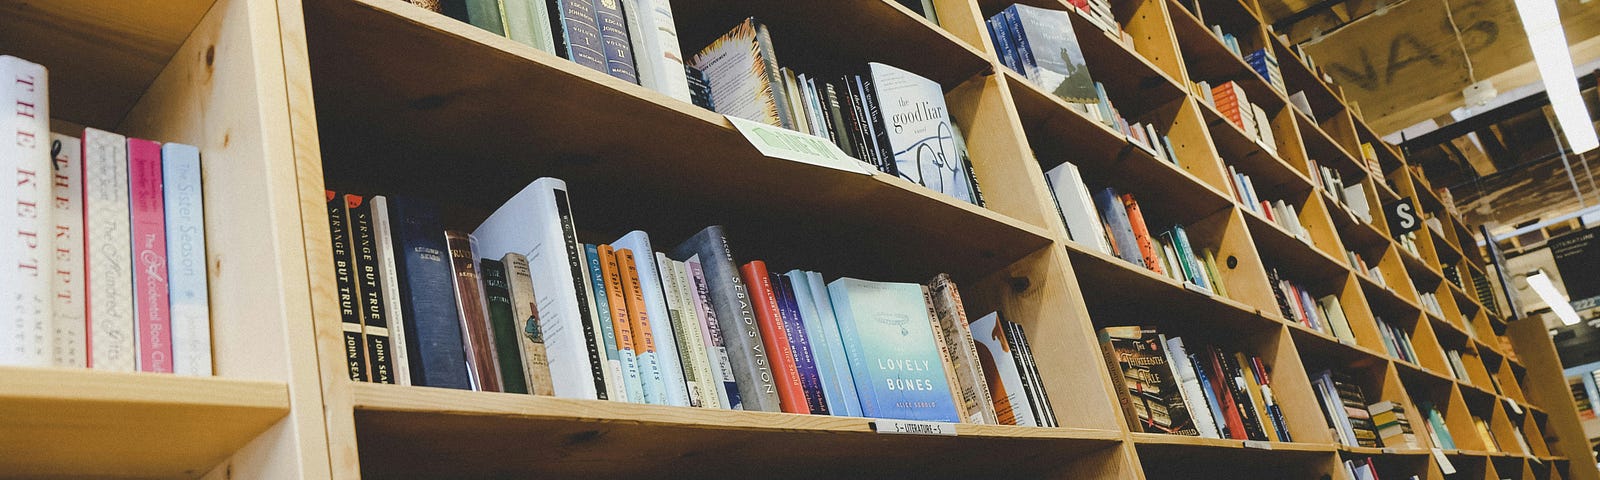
{"x":888,"y":338}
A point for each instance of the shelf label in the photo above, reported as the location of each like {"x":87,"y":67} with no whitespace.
{"x":907,"y":427}
{"x":1258,"y":444}
{"x":784,"y":144}
{"x":1388,"y":451}
{"x":1514,"y":406}
{"x":1196,"y":289}
{"x":1444,"y":462}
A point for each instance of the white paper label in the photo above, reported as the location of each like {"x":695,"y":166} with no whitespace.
{"x":907,"y":427}
{"x":1444,"y":462}
{"x":1514,"y":406}
{"x":784,"y":144}
{"x":1258,"y":444}
{"x":1196,"y":289}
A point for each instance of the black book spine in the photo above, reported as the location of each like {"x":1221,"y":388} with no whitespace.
{"x":1043,"y":395}
{"x":578,"y":262}
{"x":427,"y":295}
{"x":859,"y":131}
{"x":369,"y":284}
{"x":344,"y":276}
{"x":1241,"y":394}
{"x":1009,"y":330}
{"x":880,"y":132}
{"x":836,"y":120}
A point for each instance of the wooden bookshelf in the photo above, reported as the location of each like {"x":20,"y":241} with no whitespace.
{"x":290,"y":97}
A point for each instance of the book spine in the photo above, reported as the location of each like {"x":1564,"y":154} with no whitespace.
{"x":68,"y":308}
{"x":1120,"y":229}
{"x":1019,"y":41}
{"x":849,"y":397}
{"x":108,"y":260}
{"x":709,"y":375}
{"x":600,"y":304}
{"x":472,"y":313}
{"x":946,"y":357}
{"x":716,"y":349}
{"x":503,"y":326}
{"x":1141,"y":234}
{"x":427,"y":292}
{"x":684,"y":336}
{"x":1042,"y":397}
{"x":1241,"y":397}
{"x":345,"y":283}
{"x":383,"y":234}
{"x":880,"y":131}
{"x":1028,"y":386}
{"x":837,"y":117}
{"x":576,"y":33}
{"x":1222,"y":385}
{"x":186,"y":260}
{"x":621,"y":324}
{"x":769,"y":58}
{"x":953,"y":319}
{"x":25,"y":250}
{"x":614,"y":40}
{"x":1108,"y":349}
{"x":1213,"y":403}
{"x":791,"y":393}
{"x":655,"y":47}
{"x":644,"y":341}
{"x":536,"y":361}
{"x":369,"y":292}
{"x":732,"y":303}
{"x":794,"y":328}
{"x":1193,"y":396}
{"x":151,"y":307}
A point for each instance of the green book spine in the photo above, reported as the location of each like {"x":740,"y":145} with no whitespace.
{"x":486,"y":14}
{"x":503,"y":322}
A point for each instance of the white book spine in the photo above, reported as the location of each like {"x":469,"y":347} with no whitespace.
{"x":70,"y":344}
{"x":691,"y":334}
{"x":391,"y":290}
{"x":26,"y":266}
{"x":1189,"y":385}
{"x":655,"y":306}
{"x":186,"y":260}
{"x":660,"y":30}
{"x":537,"y":224}
{"x":1083,"y":220}
{"x":710,"y":332}
{"x":108,"y":254}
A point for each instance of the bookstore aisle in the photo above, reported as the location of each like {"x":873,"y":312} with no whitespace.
{"x":1131,"y":239}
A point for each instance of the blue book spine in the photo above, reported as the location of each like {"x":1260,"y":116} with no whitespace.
{"x":888,"y":337}
{"x":186,"y":260}
{"x":804,"y":359}
{"x":1019,"y":42}
{"x":1186,"y":251}
{"x":1002,"y":43}
{"x":1211,"y":395}
{"x":602,"y":311}
{"x":427,"y":295}
{"x":577,"y":33}
{"x":1121,"y":229}
{"x":850,"y":403}
{"x":614,"y":40}
{"x":816,"y":340}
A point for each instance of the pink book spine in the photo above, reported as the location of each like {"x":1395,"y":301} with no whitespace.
{"x":151,"y":314}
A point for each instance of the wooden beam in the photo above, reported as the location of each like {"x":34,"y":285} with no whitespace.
{"x":1406,"y":65}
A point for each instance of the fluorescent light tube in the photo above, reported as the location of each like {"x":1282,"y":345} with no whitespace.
{"x":1542,"y":22}
{"x":1558,"y":303}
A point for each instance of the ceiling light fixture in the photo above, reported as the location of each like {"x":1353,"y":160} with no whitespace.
{"x":1542,"y":22}
{"x":1557,"y":302}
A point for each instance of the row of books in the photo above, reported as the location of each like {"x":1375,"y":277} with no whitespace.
{"x":1458,"y":368}
{"x":1365,"y":469}
{"x":1345,"y":409}
{"x":1041,"y":45}
{"x":1408,"y":242}
{"x":1369,"y":159}
{"x":1209,"y":391}
{"x":1231,"y":101}
{"x":1370,"y":271}
{"x":1353,"y":196}
{"x":1438,"y":432}
{"x":1265,"y":64}
{"x":1279,"y":212}
{"x":521,"y":306}
{"x":1113,"y":223}
{"x":105,"y":239}
{"x":1297,"y":304}
{"x":1396,"y":342}
{"x":853,"y":111}
{"x":1430,"y":302}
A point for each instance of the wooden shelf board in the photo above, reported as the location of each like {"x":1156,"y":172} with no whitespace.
{"x":1322,"y":147}
{"x":101,"y":55}
{"x":57,"y":422}
{"x":1354,"y":233}
{"x":1386,"y":302}
{"x":1122,"y":291}
{"x":1421,"y":272}
{"x":1329,"y":351}
{"x":1270,"y":173}
{"x":1210,"y":61}
{"x":1421,"y":373}
{"x":1297,"y":76}
{"x":413,"y":91}
{"x":431,"y":432}
{"x":1279,"y":248}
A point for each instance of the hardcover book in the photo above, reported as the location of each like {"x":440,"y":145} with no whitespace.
{"x":654,"y":33}
{"x":919,"y":136}
{"x":1118,"y":226}
{"x":536,"y":361}
{"x":655,"y":305}
{"x":843,"y":379}
{"x":70,"y":349}
{"x":1149,"y":389}
{"x":1189,"y":384}
{"x":108,"y":259}
{"x":889,"y":340}
{"x":614,"y":40}
{"x":769,"y":316}
{"x":427,"y":295}
{"x":692,"y":333}
{"x":383,"y":232}
{"x":641,"y":324}
{"x":186,"y":260}
{"x":376,"y":343}
{"x":528,"y":22}
{"x":152,"y":318}
{"x":686,"y":339}
{"x":26,"y":219}
{"x":800,"y":343}
{"x":503,"y":326}
{"x":711,"y":330}
{"x":823,"y":347}
{"x":1000,"y":372}
{"x":1076,"y":208}
{"x":732,"y":303}
{"x":743,"y":72}
{"x":575,"y":32}
{"x":621,"y":323}
{"x":473,"y":313}
{"x":1051,"y":55}
{"x":537,"y":223}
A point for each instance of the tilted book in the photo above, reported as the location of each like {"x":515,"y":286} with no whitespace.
{"x":743,"y":71}
{"x":537,"y":223}
{"x":823,"y":346}
{"x":686,"y":338}
{"x":1147,"y":381}
{"x":503,"y":326}
{"x":731,"y":301}
{"x":186,"y":260}
{"x":473,"y":313}
{"x":427,"y":295}
{"x":1076,"y":208}
{"x":107,"y":256}
{"x":369,"y":287}
{"x":1000,"y":372}
{"x":26,"y":218}
{"x":843,"y":378}
{"x":383,"y":236}
{"x":531,"y":338}
{"x":68,"y":309}
{"x":1052,"y":58}
{"x":691,"y":334}
{"x":953,"y":324}
{"x":805,"y":361}
{"x":655,"y":304}
{"x":919,"y":132}
{"x":152,"y":319}
{"x":600,"y":304}
{"x":1118,"y":225}
{"x":769,"y":315}
{"x":641,"y":325}
{"x":889,"y":339}
{"x":654,"y":33}
{"x":711,"y":330}
{"x":621,"y":323}
{"x":1189,"y":384}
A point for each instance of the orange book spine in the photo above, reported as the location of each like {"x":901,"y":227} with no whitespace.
{"x":1141,"y":233}
{"x":791,"y":395}
{"x":620,"y":321}
{"x":639,"y":322}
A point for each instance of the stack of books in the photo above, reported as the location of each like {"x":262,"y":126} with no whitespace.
{"x":520,"y":305}
{"x":1345,"y":409}
{"x":1266,"y":65}
{"x":893,"y":119}
{"x":1206,"y":391}
{"x":1394,"y":429}
{"x":1369,"y":158}
{"x":1113,"y":223}
{"x":105,"y":243}
{"x":1229,"y":99}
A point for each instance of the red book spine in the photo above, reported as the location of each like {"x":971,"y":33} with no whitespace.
{"x":151,"y":315}
{"x":1230,"y":410}
{"x":1141,"y":234}
{"x":791,"y":395}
